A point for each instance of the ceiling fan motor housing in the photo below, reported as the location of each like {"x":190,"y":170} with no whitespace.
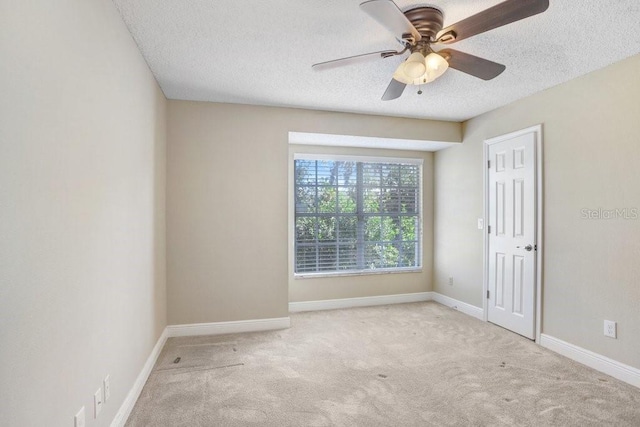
{"x":428,"y":21}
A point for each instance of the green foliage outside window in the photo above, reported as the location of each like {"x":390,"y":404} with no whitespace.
{"x":356,"y":215}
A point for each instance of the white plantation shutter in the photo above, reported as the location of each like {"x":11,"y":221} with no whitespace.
{"x":355,"y":215}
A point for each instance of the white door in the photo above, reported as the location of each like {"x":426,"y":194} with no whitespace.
{"x":512,"y":234}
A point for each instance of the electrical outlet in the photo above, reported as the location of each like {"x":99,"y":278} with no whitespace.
{"x":610,"y":329}
{"x":78,"y":420}
{"x":480,"y":223}
{"x":106,"y":384}
{"x":450,"y":281}
{"x":97,"y":402}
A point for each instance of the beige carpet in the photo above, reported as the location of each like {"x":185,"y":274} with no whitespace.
{"x":402,"y":365}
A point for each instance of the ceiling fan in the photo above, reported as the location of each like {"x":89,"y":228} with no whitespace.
{"x":418,"y":28}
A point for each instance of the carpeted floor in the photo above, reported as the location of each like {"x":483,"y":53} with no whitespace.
{"x":401,"y":365}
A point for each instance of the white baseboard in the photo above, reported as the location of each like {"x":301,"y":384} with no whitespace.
{"x":601,"y":363}
{"x":234,"y":327}
{"x":463,"y":307}
{"x":217,"y":328}
{"x":332,"y":304}
{"x":129,"y":402}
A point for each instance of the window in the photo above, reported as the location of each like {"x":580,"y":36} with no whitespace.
{"x":357,"y":215}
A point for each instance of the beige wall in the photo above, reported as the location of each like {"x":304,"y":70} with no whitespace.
{"x":82,"y":169}
{"x":591,"y":155}
{"x":321,"y":288}
{"x":227,"y":208}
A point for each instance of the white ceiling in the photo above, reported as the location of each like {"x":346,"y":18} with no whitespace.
{"x":261,"y":52}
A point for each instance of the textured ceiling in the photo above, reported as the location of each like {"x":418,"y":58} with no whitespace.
{"x":261,"y":52}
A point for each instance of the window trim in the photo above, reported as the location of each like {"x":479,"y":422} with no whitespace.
{"x":367,"y":159}
{"x":352,"y":158}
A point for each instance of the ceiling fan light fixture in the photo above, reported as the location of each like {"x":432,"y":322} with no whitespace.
{"x":418,"y":69}
{"x":415,"y":66}
{"x":436,"y":65}
{"x":411,"y":69}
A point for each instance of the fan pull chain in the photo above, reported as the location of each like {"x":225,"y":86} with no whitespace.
{"x":420,"y":90}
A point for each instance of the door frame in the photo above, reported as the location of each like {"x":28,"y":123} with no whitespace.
{"x":537,"y":131}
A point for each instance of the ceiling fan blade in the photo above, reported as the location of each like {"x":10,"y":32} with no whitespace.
{"x":501,"y":14}
{"x":394,"y":90}
{"x":357,"y":59}
{"x":473,"y":65}
{"x":391,"y":17}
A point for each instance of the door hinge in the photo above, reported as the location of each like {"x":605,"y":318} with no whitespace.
{"x":487,"y":294}
{"x":489,"y":164}
{"x":489,"y":229}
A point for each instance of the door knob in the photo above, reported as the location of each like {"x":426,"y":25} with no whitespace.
{"x":527,"y":248}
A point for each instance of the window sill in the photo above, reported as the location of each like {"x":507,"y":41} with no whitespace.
{"x":357,"y":273}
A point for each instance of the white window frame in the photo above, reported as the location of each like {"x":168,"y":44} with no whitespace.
{"x":353,"y":158}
